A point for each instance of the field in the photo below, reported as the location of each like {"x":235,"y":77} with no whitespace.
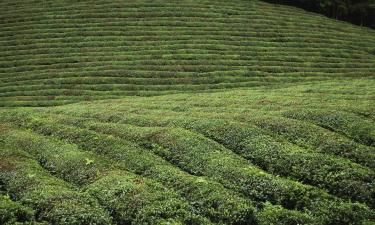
{"x":184,"y":112}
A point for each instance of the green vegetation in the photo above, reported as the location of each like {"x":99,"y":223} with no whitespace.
{"x":188,"y":112}
{"x":57,"y":202}
{"x":360,"y":129}
{"x":13,"y":212}
{"x":220,"y":149}
{"x":76,"y":166}
{"x":58,"y":53}
{"x":361,"y":12}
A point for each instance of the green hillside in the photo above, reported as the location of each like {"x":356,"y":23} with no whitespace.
{"x":184,"y":112}
{"x":58,"y":52}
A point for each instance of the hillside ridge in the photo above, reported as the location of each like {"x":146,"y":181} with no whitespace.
{"x":56,"y":53}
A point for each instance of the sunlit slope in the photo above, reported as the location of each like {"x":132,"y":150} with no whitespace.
{"x":58,"y":52}
{"x":300,"y":154}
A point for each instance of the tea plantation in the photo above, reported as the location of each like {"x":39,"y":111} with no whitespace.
{"x":184,"y":112}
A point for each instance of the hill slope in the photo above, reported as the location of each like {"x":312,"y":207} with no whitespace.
{"x":56,"y":52}
{"x":302,"y":154}
{"x":248,"y":113}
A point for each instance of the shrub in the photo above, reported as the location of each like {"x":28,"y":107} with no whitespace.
{"x":274,"y":214}
{"x":360,"y":129}
{"x":205,"y":196}
{"x":56,"y":201}
{"x":141,"y":201}
{"x":13,"y":212}
{"x":314,"y":137}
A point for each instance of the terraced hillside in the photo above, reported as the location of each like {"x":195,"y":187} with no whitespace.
{"x":206,"y":112}
{"x":58,"y":52}
{"x":300,"y":154}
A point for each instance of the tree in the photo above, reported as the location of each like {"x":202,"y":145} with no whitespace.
{"x":361,"y":12}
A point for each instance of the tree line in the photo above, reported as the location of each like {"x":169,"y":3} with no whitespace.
{"x":360,"y":12}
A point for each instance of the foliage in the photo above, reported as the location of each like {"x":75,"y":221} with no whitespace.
{"x":57,"y":202}
{"x":13,"y":212}
{"x":186,"y":112}
{"x":361,"y":12}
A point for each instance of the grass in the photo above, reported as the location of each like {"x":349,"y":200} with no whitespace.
{"x":190,"y":112}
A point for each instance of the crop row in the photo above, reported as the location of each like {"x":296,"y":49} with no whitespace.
{"x":194,"y":54}
{"x":184,"y":11}
{"x":146,"y":42}
{"x":199,"y":68}
{"x":233,"y":9}
{"x":13,"y":212}
{"x":174,"y":37}
{"x":77,"y":167}
{"x":26,"y":181}
{"x":194,"y":60}
{"x":115,"y":29}
{"x":147,"y":52}
{"x":225,"y":6}
{"x":49,"y":94}
{"x":128,"y":198}
{"x":310,"y":136}
{"x":201,"y":156}
{"x":218,"y":16}
{"x":143,"y":84}
{"x":130,"y":87}
{"x":353,"y":126}
{"x":139,"y":77}
{"x":324,"y":171}
{"x":333,"y":94}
